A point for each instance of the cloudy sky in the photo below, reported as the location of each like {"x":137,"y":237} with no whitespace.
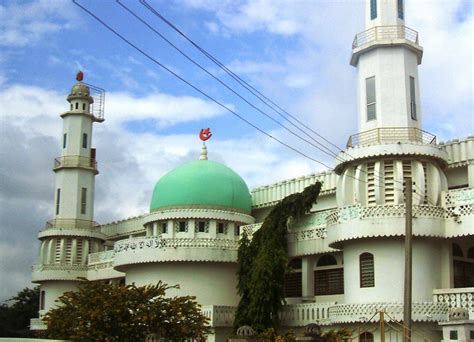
{"x":295,"y":52}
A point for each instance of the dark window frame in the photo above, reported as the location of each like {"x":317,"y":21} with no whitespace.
{"x":84,"y":140}
{"x":83,"y":201}
{"x":373,"y":9}
{"x":371,"y":100}
{"x":366,"y":270}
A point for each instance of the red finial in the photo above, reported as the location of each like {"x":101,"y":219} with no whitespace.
{"x":79,"y":76}
{"x":205,"y":134}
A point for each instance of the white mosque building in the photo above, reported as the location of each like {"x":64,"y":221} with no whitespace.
{"x":347,"y":253}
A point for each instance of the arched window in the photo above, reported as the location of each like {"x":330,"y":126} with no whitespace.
{"x":326,"y":260}
{"x":83,"y":106}
{"x":329,"y":279}
{"x":366,"y":337}
{"x":470,"y":253}
{"x":457,"y":251}
{"x":77,"y":105}
{"x":42,"y":295}
{"x":366,"y":267}
{"x":295,"y":264}
{"x":293,"y":279}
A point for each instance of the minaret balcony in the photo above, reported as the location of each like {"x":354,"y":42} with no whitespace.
{"x":385,"y":36}
{"x":391,"y":135}
{"x":71,"y":224}
{"x":75,"y":162}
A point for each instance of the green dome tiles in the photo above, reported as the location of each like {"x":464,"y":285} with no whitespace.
{"x":202,"y":184}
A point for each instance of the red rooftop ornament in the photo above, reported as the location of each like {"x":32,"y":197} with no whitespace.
{"x":205,"y":134}
{"x":80,"y":76}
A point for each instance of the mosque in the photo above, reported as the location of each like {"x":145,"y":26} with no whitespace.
{"x":347,"y":253}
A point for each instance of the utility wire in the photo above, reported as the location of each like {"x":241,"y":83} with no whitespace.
{"x":209,"y":96}
{"x":254,"y":91}
{"x":268,"y":102}
{"x":196,"y":88}
{"x":330,"y":153}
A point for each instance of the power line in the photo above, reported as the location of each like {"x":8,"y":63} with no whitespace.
{"x":268,"y":102}
{"x":196,"y":88}
{"x":330,"y":153}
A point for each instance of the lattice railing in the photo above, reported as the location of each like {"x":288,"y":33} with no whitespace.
{"x":71,"y":223}
{"x":158,"y":242}
{"x":75,"y":161}
{"x":455,"y":298}
{"x":388,"y":135}
{"x":385,"y":32}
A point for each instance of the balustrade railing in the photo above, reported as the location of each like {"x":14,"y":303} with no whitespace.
{"x":383,"y":33}
{"x":71,"y":223}
{"x":101,"y":257}
{"x":75,"y":161}
{"x":59,"y":267}
{"x":387,"y":135}
{"x":456,"y":298}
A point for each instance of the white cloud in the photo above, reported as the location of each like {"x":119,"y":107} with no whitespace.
{"x":26,"y":23}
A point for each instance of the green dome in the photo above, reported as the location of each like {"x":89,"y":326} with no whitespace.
{"x":202,"y":184}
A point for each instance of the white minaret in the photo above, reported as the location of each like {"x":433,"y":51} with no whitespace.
{"x":386,"y":55}
{"x":67,"y":240}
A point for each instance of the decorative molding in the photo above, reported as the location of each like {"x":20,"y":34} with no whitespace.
{"x":198,"y":213}
{"x":153,"y":242}
{"x":360,"y":313}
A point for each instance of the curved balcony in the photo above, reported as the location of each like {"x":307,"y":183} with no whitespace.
{"x":72,"y":227}
{"x":361,"y":313}
{"x":43,"y":272}
{"x":391,"y":135}
{"x":349,"y":223}
{"x":156,"y":249}
{"x":385,"y":32}
{"x":385,"y":36}
{"x":75,"y":162}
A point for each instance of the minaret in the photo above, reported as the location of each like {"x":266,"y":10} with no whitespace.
{"x":387,"y":55}
{"x":67,"y":240}
{"x":389,"y":148}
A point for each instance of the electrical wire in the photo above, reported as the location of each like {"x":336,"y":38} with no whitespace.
{"x":196,"y":88}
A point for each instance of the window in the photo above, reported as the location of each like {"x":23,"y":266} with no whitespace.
{"x":42,"y":297}
{"x":237,"y":230}
{"x":83,"y":200}
{"x":201,"y":227}
{"x":77,"y":105}
{"x":400,"y":9}
{"x":84,"y":140}
{"x":293,"y":284}
{"x":366,"y":264}
{"x":83,"y":106}
{"x":326,"y":260}
{"x":64,"y":140}
{"x":370,"y":97}
{"x":164,"y":227}
{"x":412,"y":98}
{"x":471,"y":333}
{"x":470,"y":253}
{"x":329,"y":282}
{"x":463,"y":273}
{"x":221,"y":228}
{"x":373,"y":9}
{"x":295,"y":264}
{"x":457,"y":251}
{"x":71,"y":107}
{"x":366,"y":337}
{"x":453,"y":335}
{"x":181,"y":226}
{"x":58,"y":200}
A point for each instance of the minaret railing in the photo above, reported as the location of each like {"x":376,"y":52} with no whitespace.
{"x":71,"y":224}
{"x":391,"y":135}
{"x":75,"y":161}
{"x":385,"y":32}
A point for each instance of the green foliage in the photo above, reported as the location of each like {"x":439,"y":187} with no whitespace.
{"x":338,"y":336}
{"x":270,"y":335}
{"x":115,"y":312}
{"x":15,"y":319}
{"x":263,"y":263}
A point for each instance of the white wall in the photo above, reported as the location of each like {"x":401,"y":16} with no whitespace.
{"x":389,"y":270}
{"x":53,"y":290}
{"x":211,"y":283}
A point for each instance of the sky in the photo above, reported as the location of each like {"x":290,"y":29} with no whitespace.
{"x":295,"y":52}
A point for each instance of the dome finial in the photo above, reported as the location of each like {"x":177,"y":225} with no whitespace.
{"x":204,"y":135}
{"x":79,"y":76}
{"x":203,"y":155}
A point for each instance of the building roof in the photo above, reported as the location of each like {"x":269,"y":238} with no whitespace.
{"x":202,"y":184}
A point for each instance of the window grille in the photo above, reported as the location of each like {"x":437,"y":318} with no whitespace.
{"x":366,"y":264}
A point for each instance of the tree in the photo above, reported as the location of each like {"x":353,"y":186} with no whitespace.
{"x":263,"y":262}
{"x":116,"y":312}
{"x":15,"y":319}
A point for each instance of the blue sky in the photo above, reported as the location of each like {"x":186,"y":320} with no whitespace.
{"x":295,"y":52}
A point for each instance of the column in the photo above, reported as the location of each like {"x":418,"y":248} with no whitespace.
{"x":307,"y":269}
